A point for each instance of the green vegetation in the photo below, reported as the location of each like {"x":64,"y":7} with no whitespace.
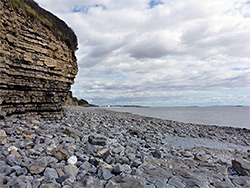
{"x":31,"y":10}
{"x":80,"y":102}
{"x":28,"y":11}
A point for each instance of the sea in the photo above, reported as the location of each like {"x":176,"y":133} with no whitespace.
{"x":238,"y":117}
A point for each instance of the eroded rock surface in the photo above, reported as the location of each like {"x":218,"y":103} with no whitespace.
{"x":36,"y":67}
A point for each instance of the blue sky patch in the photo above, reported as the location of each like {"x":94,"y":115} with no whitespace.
{"x":239,"y":69}
{"x":85,"y":9}
{"x":154,"y":3}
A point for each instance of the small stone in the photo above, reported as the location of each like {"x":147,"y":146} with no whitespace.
{"x":243,"y":181}
{"x":51,"y":185}
{"x":68,"y":182}
{"x":60,"y":153}
{"x":136,"y":164}
{"x":3,"y":137}
{"x":27,"y":137}
{"x":15,"y":182}
{"x":12,"y":160}
{"x":66,"y":186}
{"x":109,"y":159}
{"x":3,"y":180}
{"x":10,"y":38}
{"x":12,"y":148}
{"x":83,"y":158}
{"x":104,"y":173}
{"x":21,"y":171}
{"x":72,"y":160}
{"x":5,"y":169}
{"x":61,"y":179}
{"x":86,"y":166}
{"x":221,"y":184}
{"x":38,"y":166}
{"x":118,"y":169}
{"x":200,"y":158}
{"x":2,"y":114}
{"x":156,"y":154}
{"x":170,"y":186}
{"x":111,"y":184}
{"x":97,"y":140}
{"x":60,"y":172}
{"x":176,"y":182}
{"x":134,"y":131}
{"x":13,"y":151}
{"x":103,"y":153}
{"x":50,"y":175}
{"x":89,"y":182}
{"x":35,"y":183}
{"x":71,"y":170}
{"x":126,"y":168}
{"x":94,"y":162}
{"x":241,"y":166}
{"x":187,"y":154}
{"x":105,"y":165}
{"x":118,"y":150}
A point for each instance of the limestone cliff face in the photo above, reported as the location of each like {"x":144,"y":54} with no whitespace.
{"x":37,"y":67}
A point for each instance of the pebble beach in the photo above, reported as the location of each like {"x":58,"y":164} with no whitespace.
{"x":97,"y":148}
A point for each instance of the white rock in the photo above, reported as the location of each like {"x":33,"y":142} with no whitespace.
{"x":12,"y":148}
{"x":72,"y":160}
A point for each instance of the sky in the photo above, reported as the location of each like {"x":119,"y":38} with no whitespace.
{"x":160,"y":53}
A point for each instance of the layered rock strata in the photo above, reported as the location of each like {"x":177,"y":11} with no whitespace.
{"x":37,"y":66}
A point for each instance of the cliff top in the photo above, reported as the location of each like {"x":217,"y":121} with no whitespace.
{"x":32,"y":10}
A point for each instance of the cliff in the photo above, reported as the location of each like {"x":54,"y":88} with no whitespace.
{"x":37,"y":60}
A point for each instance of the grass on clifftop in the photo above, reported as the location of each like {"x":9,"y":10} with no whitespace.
{"x":59,"y":28}
{"x":28,"y":11}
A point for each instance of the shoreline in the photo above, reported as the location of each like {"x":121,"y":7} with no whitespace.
{"x":91,"y":147}
{"x":202,"y":124}
{"x":193,"y":141}
{"x":219,"y":116}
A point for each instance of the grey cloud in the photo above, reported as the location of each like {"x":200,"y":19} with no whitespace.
{"x":181,"y":49}
{"x":148,"y":50}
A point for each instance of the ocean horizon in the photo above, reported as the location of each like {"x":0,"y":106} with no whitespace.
{"x":233,"y":116}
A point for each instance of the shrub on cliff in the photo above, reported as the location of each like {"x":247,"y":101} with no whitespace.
{"x":80,"y":102}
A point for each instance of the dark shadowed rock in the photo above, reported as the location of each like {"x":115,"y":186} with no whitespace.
{"x":97,"y":140}
{"x":156,"y":153}
{"x":118,"y":169}
{"x":241,"y":166}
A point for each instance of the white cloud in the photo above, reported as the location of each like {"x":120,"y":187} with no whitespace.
{"x":169,"y":54}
